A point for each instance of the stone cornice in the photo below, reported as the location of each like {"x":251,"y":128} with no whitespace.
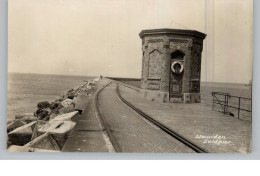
{"x":167,"y":31}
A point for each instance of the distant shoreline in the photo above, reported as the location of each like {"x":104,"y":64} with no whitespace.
{"x":51,"y":74}
{"x":131,"y":78}
{"x":202,"y":82}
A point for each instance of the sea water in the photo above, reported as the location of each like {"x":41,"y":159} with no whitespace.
{"x":26,"y":90}
{"x":234,"y":89}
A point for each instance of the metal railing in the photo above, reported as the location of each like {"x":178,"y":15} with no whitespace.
{"x":223,"y":99}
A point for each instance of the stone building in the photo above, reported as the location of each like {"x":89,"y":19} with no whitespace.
{"x":171,"y":65}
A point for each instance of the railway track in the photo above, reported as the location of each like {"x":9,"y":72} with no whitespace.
{"x":131,"y":87}
{"x":172,"y":133}
{"x":104,"y":122}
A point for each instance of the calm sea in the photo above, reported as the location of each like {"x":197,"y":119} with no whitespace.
{"x":26,"y":90}
{"x":240,"y":90}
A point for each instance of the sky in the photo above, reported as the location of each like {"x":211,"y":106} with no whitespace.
{"x":101,"y":37}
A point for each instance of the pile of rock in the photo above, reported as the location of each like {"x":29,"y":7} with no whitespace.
{"x":48,"y":128}
{"x":87,"y":88}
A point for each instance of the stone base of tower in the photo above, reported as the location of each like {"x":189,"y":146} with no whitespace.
{"x":153,"y":95}
{"x":159,"y":96}
{"x":191,"y":98}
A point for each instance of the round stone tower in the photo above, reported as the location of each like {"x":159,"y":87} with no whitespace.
{"x":171,"y":65}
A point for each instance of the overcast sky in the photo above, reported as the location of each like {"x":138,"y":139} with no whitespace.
{"x":87,"y":37}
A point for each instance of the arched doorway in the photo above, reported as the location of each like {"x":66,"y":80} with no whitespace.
{"x":176,"y":74}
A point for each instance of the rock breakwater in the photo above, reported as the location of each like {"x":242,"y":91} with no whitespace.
{"x":48,"y":128}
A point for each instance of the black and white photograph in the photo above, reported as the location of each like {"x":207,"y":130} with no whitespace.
{"x":130,"y":76}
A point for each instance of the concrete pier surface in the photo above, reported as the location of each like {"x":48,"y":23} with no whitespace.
{"x":197,"y":122}
{"x":131,"y":131}
{"x":88,"y":134}
{"x":212,"y":131}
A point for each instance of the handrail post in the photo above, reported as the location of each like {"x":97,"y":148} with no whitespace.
{"x":238,"y":107}
{"x":225,"y":104}
{"x":227,"y":101}
{"x":213,"y":100}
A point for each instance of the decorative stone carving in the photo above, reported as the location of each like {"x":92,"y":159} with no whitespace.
{"x":154,"y":64}
{"x":178,"y":41}
{"x":154,"y":84}
{"x":155,"y":40}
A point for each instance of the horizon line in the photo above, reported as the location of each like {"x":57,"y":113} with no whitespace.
{"x":118,"y":77}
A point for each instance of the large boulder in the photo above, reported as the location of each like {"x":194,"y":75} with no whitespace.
{"x":21,"y":116}
{"x":43,"y":114}
{"x":38,"y":125}
{"x":68,"y":109}
{"x":75,"y":99}
{"x":10,"y":121}
{"x":43,"y":104}
{"x":60,"y":130}
{"x":65,"y":94}
{"x":44,"y":141}
{"x":8,"y":142}
{"x":26,"y":117}
{"x":53,"y":115}
{"x":65,"y":117}
{"x":55,"y":106}
{"x":58,"y":100}
{"x":22,"y":135}
{"x":81,"y":102}
{"x":15,"y":124}
{"x":17,"y":148}
{"x":65,"y":103}
{"x":71,"y":94}
{"x":96,"y":80}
